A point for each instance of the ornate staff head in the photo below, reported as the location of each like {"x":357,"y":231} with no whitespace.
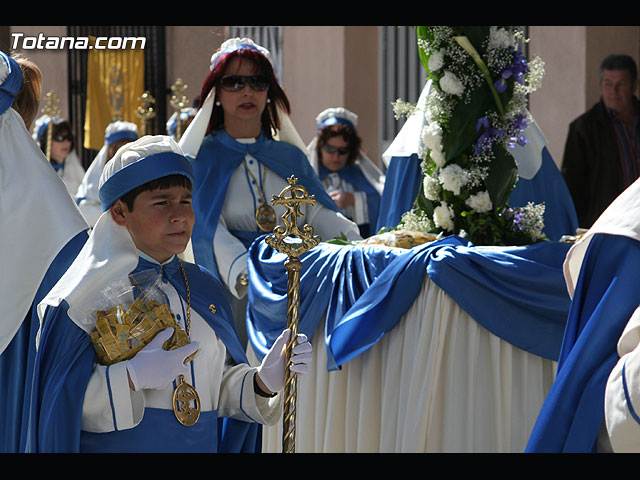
{"x":146,"y":111}
{"x":51,"y":110}
{"x":178,"y":102}
{"x":303,"y":240}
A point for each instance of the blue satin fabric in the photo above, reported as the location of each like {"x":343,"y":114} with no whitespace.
{"x":352,"y":174}
{"x":548,"y":186}
{"x":158,"y":432}
{"x":65,"y":361}
{"x":16,"y":362}
{"x":404,"y":175}
{"x":11,"y":85}
{"x":401,"y":187}
{"x":517,"y":293}
{"x":606,"y":295}
{"x":217,"y":159}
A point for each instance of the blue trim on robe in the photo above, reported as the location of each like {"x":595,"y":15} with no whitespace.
{"x":404,"y":175}
{"x":606,"y":295}
{"x":66,"y":357}
{"x":517,"y":293}
{"x":548,"y":186}
{"x":627,"y":395}
{"x":352,"y":173}
{"x":16,"y":362}
{"x":217,"y":159}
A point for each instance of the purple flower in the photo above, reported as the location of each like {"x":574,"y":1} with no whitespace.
{"x":486,"y":139}
{"x":520,"y":124}
{"x":516,"y":69}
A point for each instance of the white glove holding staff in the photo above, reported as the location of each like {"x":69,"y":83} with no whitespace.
{"x":272,"y":369}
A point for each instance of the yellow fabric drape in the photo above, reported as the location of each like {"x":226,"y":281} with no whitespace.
{"x":115,"y":80}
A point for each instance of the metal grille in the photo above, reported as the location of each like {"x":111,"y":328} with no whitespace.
{"x":401,"y":75}
{"x":270,"y":37}
{"x":154,"y":78}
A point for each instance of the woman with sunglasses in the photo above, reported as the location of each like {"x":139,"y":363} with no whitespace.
{"x":239,"y":165}
{"x":64,"y":159}
{"x":351,"y":179}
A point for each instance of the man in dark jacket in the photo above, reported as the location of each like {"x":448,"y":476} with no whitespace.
{"x":602,"y":151}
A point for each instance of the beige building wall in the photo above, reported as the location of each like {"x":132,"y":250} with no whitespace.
{"x":329,"y":66}
{"x":52,"y":63}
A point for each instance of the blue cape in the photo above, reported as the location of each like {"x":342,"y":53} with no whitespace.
{"x":352,"y":173}
{"x":606,"y":295}
{"x":217,"y":159}
{"x":404,"y":176}
{"x":65,"y":361}
{"x":16,"y":362}
{"x":517,"y":293}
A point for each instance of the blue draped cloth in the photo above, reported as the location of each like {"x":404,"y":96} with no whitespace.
{"x":401,"y":187}
{"x":16,"y":362}
{"x":404,"y":176}
{"x":517,"y":293}
{"x":65,"y":362}
{"x":606,"y":295}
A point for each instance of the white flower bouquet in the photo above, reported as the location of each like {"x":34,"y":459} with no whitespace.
{"x":476,"y":112}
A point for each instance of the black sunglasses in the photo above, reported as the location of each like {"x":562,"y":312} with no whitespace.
{"x":331,"y":149}
{"x":235,"y":83}
{"x":62,"y":138}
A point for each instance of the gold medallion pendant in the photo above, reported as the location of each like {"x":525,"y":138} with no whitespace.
{"x":186,"y":403}
{"x":266,"y":218}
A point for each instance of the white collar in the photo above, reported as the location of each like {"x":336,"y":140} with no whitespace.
{"x":148,"y":258}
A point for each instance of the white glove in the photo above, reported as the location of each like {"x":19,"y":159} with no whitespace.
{"x":155,"y":368}
{"x":271,"y":370}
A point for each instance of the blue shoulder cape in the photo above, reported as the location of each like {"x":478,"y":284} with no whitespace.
{"x":352,"y":173}
{"x":606,"y":295}
{"x":217,"y":159}
{"x":16,"y":362}
{"x":65,"y":361}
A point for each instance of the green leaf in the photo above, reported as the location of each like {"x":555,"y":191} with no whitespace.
{"x":502,"y":177}
{"x":476,"y":35}
{"x":461,"y":132}
{"x":423,"y":33}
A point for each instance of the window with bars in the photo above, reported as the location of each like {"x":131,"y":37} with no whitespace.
{"x":154,"y":81}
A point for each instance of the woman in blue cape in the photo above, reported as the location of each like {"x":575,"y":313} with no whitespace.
{"x":244,"y":148}
{"x":85,"y":399}
{"x":350,"y":178}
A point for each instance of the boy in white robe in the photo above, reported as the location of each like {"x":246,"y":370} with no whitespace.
{"x":128,"y":406}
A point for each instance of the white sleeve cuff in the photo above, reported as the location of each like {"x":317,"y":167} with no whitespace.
{"x":109,"y":404}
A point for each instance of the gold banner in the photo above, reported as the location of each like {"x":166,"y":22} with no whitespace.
{"x":115,"y":80}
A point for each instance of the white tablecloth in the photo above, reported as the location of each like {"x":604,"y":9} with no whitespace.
{"x":438,"y":382}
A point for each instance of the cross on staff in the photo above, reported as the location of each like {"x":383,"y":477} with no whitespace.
{"x":293,"y":242}
{"x":51,"y":110}
{"x":179,"y":101}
